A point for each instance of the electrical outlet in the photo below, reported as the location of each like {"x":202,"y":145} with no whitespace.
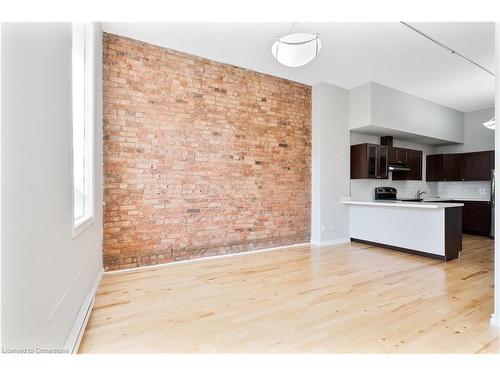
{"x":323,"y":227}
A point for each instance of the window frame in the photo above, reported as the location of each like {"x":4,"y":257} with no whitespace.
{"x":81,"y":223}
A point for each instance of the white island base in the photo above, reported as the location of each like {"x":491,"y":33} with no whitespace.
{"x":429,"y":229}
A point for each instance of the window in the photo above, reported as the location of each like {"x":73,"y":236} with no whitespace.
{"x":83,"y":126}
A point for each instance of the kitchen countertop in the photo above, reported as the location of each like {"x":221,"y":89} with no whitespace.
{"x":425,"y":205}
{"x":456,"y":199}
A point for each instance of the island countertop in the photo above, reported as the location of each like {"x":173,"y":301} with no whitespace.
{"x":424,"y":205}
{"x":431,"y":229}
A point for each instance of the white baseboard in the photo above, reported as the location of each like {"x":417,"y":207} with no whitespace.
{"x":495,"y":320}
{"x":336,"y":241}
{"x":170,"y":264}
{"x":75,"y":336}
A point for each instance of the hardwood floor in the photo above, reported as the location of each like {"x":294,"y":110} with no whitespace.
{"x":346,"y":298}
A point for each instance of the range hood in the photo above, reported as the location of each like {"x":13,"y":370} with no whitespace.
{"x":398,"y":168}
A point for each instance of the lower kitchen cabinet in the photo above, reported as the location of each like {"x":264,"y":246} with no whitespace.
{"x":476,"y":218}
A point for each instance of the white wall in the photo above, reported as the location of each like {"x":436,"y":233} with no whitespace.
{"x":330,"y":164}
{"x":476,"y":136}
{"x":364,"y":189}
{"x":360,"y":106}
{"x":495,"y":318}
{"x":46,"y":275}
{"x":0,"y":184}
{"x":382,"y":106}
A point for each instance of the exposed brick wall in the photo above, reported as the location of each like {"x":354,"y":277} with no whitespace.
{"x":200,"y":158}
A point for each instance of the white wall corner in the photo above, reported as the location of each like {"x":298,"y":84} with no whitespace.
{"x":330,"y":163}
{"x":76,"y":334}
{"x":0,"y":183}
{"x":315,"y":167}
{"x":335,"y":241}
{"x":495,"y":319}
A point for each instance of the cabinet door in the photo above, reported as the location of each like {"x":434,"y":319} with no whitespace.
{"x":398,"y":156}
{"x":477,"y":166}
{"x":415,"y":164}
{"x":393,"y":155}
{"x":402,"y":156}
{"x":383,"y":168}
{"x":481,"y":215}
{"x":359,"y":161}
{"x":476,"y":218}
{"x":467,"y":223}
{"x":452,"y":167}
{"x":372,"y":161}
{"x":434,"y":168}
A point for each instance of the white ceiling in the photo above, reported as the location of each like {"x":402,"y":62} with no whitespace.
{"x":352,"y":54}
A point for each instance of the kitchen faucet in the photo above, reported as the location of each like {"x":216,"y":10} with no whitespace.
{"x":420,"y":193}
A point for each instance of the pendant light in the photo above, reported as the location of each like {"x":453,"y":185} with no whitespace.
{"x":297,"y":48}
{"x":490,"y":124}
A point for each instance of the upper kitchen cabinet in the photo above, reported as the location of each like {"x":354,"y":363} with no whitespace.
{"x":471,"y":166}
{"x":369,"y":161}
{"x":414,"y":163}
{"x":443,"y":167}
{"x":477,"y":166}
{"x":398,"y":156}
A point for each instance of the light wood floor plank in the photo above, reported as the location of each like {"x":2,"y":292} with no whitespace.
{"x":352,"y":298}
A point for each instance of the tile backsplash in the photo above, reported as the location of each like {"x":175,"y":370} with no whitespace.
{"x":467,"y":189}
{"x":364,"y":189}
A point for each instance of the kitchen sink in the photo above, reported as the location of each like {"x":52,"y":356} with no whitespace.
{"x":411,"y":200}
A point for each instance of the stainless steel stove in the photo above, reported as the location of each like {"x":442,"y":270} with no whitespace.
{"x":391,"y":194}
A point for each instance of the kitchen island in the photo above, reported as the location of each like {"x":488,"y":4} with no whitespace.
{"x":431,"y":229}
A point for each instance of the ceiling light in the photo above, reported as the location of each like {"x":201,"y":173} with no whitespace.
{"x":490,"y":124}
{"x":296,"y":49}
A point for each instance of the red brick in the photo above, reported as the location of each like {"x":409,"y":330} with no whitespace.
{"x":200,"y":158}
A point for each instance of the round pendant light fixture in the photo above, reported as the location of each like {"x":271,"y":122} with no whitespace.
{"x":296,"y":49}
{"x":490,"y":124}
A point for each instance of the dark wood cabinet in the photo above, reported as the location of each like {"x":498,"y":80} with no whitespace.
{"x":369,"y":161}
{"x":471,"y":166}
{"x":398,"y":156}
{"x":443,"y":167}
{"x":476,"y":218}
{"x":477,"y":166}
{"x":451,"y":167}
{"x":414,"y":163}
{"x":372,"y":161}
{"x":383,"y":167}
{"x":434,"y":168}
